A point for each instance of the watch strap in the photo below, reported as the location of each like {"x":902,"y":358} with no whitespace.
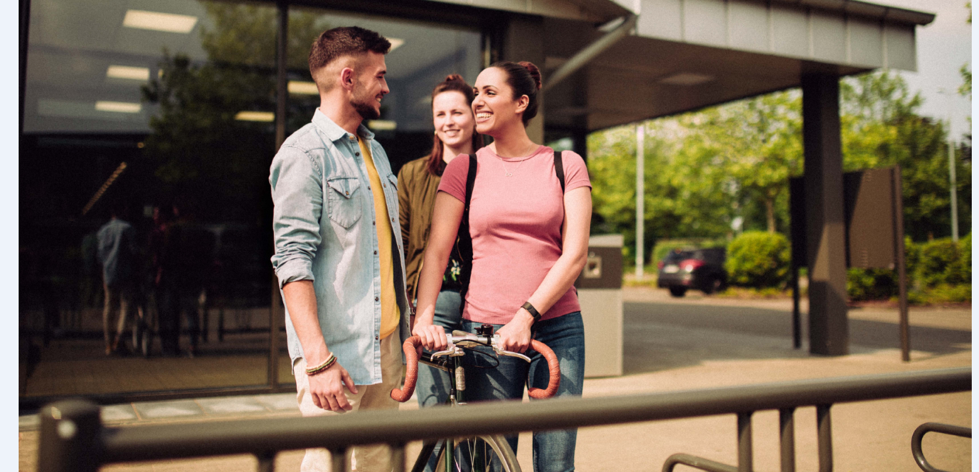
{"x":533,"y":311}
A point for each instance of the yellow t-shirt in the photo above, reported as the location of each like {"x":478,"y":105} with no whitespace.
{"x":390,"y":315}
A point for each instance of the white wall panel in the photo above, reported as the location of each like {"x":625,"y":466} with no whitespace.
{"x":866,"y":43}
{"x":748,"y":26}
{"x":901,"y":53}
{"x":828,"y":37}
{"x":791,"y":31}
{"x":705,"y":22}
{"x":661,"y":19}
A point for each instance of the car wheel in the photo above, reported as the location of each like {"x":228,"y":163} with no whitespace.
{"x":713,"y":285}
{"x":678,"y":291}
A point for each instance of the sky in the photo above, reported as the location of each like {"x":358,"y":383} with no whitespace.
{"x":943,"y":47}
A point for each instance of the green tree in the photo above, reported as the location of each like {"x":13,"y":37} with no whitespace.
{"x":198,"y":148}
{"x":881,"y":127}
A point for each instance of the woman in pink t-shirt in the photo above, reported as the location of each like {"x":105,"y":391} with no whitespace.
{"x":530,"y":242}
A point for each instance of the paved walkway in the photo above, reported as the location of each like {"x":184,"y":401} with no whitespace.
{"x":681,"y":344}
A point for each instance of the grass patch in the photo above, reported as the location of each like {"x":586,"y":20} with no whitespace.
{"x":744,"y":293}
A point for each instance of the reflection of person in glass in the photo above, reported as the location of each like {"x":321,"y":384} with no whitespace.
{"x":418,"y":182}
{"x":339,"y":264}
{"x":184,"y":260}
{"x":117,"y":253}
{"x":530,"y":242}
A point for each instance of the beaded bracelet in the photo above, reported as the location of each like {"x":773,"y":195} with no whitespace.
{"x":322,"y":367}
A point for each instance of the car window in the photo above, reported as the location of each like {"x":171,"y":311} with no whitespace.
{"x":676,"y":256}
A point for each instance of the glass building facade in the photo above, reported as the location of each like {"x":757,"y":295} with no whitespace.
{"x":166,"y":115}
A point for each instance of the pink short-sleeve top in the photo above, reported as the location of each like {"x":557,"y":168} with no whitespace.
{"x":515,"y":220}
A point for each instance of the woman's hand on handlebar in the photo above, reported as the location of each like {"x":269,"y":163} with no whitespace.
{"x":515,"y":335}
{"x":432,"y":336}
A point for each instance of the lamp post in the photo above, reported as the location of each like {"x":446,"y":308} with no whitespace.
{"x":640,"y":198}
{"x":951,"y":170}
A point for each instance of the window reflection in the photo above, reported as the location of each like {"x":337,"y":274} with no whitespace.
{"x":164,"y":115}
{"x":144,"y":184}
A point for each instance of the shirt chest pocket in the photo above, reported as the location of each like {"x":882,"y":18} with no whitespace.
{"x":344,"y":199}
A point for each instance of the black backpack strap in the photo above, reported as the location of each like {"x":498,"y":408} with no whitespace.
{"x":470,"y":182}
{"x":559,"y":168}
{"x":464,"y":239}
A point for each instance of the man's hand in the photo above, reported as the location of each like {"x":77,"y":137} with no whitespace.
{"x":326,"y":388}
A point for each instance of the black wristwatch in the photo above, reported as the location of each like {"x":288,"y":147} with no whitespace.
{"x":533,"y":311}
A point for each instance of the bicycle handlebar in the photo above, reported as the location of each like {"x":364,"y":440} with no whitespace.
{"x":411,"y":374}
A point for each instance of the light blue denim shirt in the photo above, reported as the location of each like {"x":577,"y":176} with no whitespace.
{"x":324,"y":227}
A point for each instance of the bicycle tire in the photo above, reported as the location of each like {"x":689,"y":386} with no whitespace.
{"x":496,"y":443}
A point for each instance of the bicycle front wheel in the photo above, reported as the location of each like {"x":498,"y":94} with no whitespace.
{"x":479,"y":454}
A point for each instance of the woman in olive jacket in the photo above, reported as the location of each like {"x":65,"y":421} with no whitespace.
{"x":418,"y":181}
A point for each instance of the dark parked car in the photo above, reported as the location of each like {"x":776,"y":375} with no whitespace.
{"x":701,"y":269}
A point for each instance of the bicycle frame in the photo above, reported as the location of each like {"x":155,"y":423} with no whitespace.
{"x":453,"y":366}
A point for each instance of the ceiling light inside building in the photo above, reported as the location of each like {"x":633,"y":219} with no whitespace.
{"x":262,"y":116}
{"x":686,"y":78}
{"x":129,"y":73}
{"x":382,"y":125}
{"x":156,"y":21}
{"x":118,"y":107}
{"x":302,"y":88}
{"x":395,"y":44}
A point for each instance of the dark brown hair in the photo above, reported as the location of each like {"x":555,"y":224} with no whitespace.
{"x":345,"y":41}
{"x":524,"y":78}
{"x":452,"y":83}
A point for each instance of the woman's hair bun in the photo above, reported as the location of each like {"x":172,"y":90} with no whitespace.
{"x":455,"y":78}
{"x":534,"y":72}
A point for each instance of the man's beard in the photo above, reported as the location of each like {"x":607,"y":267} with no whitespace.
{"x":365,"y":109}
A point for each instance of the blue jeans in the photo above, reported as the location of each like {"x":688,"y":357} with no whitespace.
{"x":432,"y":386}
{"x":553,"y":450}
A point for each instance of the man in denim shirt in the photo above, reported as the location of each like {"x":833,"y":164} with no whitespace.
{"x":339,"y":265}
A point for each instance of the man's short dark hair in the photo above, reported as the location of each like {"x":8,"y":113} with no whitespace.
{"x":345,"y":41}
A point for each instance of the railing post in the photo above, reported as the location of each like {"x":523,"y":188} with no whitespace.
{"x":397,"y":457}
{"x":786,"y":419}
{"x":745,"y":454}
{"x":825,"y":429}
{"x":339,"y":458}
{"x":266,"y":461}
{"x":71,"y":437}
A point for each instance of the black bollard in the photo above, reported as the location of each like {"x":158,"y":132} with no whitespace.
{"x":71,"y":437}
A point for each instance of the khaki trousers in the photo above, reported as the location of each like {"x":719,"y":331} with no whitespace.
{"x":368,"y":397}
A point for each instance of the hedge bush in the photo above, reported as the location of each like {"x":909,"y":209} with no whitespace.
{"x":758,"y":259}
{"x":871,"y":284}
{"x":945,"y":262}
{"x":939,"y":271}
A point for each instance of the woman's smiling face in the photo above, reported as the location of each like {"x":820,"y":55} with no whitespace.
{"x":452,"y":118}
{"x":495,"y":106}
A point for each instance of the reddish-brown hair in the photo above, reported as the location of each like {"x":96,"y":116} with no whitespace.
{"x":524,"y":79}
{"x":452,"y":83}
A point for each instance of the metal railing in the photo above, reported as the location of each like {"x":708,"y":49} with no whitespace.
{"x":919,"y":455}
{"x":73,"y":438}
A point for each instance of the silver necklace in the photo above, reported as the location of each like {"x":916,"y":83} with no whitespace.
{"x":506,"y":172}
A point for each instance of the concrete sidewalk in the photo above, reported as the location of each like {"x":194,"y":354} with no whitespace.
{"x":683,"y":344}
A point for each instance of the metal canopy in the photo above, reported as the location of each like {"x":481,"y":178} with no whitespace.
{"x":689,"y":54}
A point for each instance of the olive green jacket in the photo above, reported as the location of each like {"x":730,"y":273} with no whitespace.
{"x":416,"y":201}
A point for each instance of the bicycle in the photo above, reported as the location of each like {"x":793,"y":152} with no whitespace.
{"x":481,"y":453}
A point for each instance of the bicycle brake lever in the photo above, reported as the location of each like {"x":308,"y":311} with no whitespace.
{"x":452,"y":350}
{"x":501,"y":352}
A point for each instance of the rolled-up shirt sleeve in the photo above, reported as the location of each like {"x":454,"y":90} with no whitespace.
{"x":297,"y":196}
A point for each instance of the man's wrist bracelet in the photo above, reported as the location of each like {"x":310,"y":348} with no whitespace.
{"x":533,"y":311}
{"x":323,"y":366}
